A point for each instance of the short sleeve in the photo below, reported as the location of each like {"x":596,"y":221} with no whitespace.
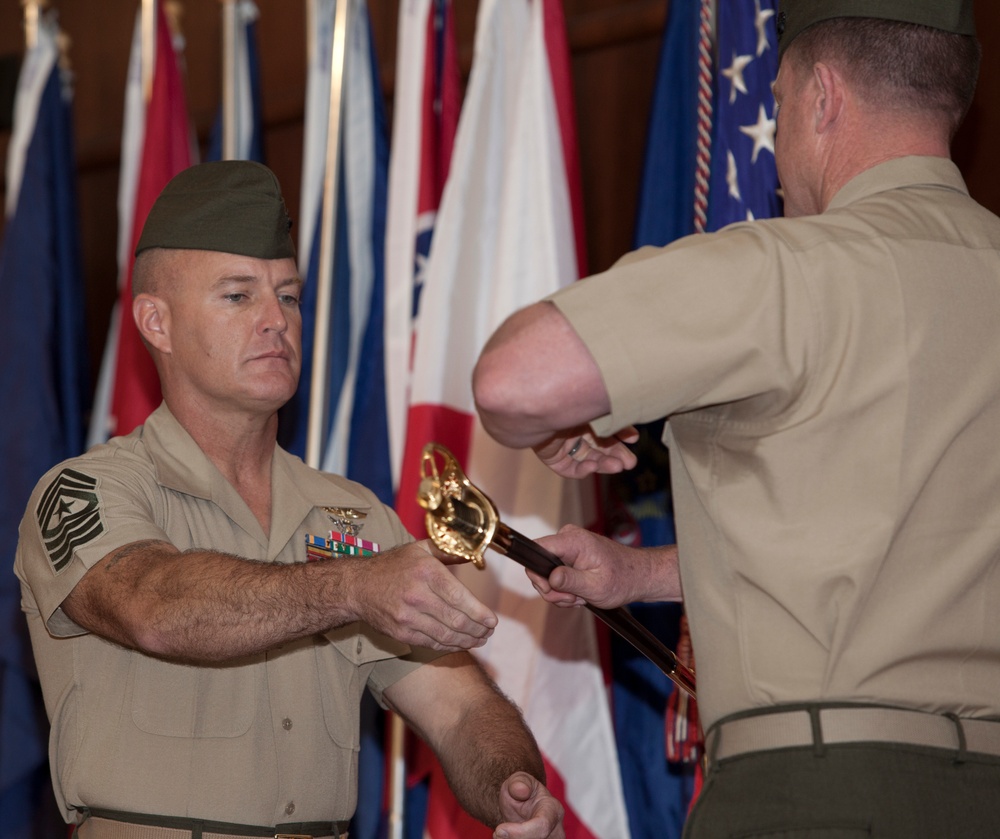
{"x":79,"y":512}
{"x":707,"y":320}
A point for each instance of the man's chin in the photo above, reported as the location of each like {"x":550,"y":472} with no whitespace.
{"x":272,"y":395}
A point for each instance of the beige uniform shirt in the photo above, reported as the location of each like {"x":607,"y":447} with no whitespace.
{"x":833,"y":388}
{"x":269,"y":739}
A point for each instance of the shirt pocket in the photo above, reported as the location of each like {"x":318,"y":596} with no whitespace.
{"x":182,"y":700}
{"x":344,"y":665}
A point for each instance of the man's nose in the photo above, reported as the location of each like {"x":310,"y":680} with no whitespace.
{"x":273,"y":318}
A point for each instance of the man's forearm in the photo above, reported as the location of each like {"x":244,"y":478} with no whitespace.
{"x":476,"y":732}
{"x":204,"y":605}
{"x":488,"y":744}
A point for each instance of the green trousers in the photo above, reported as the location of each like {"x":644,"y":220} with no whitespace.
{"x":849,"y":791}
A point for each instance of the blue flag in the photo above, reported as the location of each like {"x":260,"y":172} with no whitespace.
{"x":44,"y":389}
{"x":666,"y":191}
{"x":744,"y":179}
{"x":248,"y":130}
{"x":356,"y":435}
{"x":657,"y":793}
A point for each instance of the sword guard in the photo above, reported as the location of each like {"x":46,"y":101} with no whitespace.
{"x":461,"y":520}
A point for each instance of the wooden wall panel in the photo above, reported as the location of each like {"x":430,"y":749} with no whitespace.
{"x":615,"y":48}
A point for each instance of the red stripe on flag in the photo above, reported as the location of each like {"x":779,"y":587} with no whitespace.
{"x":504,"y":238}
{"x":442,"y":98}
{"x":426,"y":424}
{"x":447,"y":820}
{"x":166,"y":151}
{"x":557,"y":46}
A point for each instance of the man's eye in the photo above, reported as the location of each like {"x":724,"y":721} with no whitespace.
{"x":291,"y":300}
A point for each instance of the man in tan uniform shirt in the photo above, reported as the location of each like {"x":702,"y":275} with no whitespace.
{"x":206,"y":611}
{"x":832,"y":383}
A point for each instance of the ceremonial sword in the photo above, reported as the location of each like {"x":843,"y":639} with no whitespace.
{"x":463,"y":522}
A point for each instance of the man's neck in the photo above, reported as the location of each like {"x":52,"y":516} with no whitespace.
{"x":870,"y":147}
{"x":241,"y":446}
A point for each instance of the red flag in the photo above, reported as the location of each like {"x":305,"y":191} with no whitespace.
{"x":505,"y":237}
{"x":166,"y":150}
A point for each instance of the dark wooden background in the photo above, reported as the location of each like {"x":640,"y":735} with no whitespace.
{"x":614,"y":43}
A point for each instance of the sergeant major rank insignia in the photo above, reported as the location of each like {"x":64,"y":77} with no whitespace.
{"x":69,"y":516}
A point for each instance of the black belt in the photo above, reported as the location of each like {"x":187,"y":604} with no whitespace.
{"x":197,"y":828}
{"x":818,"y":725}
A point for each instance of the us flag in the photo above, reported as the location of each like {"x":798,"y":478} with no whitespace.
{"x":744,"y":180}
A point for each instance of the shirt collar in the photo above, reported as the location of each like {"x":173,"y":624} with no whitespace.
{"x":900,"y":172}
{"x":297,"y":489}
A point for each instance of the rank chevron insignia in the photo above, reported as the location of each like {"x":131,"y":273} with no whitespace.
{"x":69,"y":516}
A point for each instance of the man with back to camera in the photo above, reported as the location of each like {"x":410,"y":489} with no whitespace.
{"x":832,"y":385}
{"x":205,"y":610}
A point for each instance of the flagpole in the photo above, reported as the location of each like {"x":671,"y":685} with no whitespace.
{"x":148,"y":47}
{"x":318,"y":395}
{"x":228,"y":79}
{"x":32,"y":12}
{"x":397,"y":775}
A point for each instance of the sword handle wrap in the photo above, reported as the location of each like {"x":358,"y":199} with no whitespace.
{"x":535,"y":558}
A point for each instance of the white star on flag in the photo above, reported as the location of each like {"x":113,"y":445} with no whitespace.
{"x":762,"y":133}
{"x":734,"y":72}
{"x":731,"y":176}
{"x":742,"y":181}
{"x":760,"y":23}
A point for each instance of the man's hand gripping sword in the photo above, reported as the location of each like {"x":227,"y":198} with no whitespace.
{"x":463,"y":522}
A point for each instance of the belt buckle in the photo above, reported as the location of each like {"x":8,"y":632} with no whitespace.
{"x":293,"y":836}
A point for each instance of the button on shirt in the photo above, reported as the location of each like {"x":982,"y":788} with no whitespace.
{"x":249,"y":741}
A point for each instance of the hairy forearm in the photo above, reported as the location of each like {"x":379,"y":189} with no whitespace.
{"x":205,"y":606}
{"x":208,"y":606}
{"x":476,"y":732}
{"x":665,"y":576}
{"x":488,"y":744}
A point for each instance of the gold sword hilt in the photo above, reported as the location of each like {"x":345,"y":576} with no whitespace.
{"x":461,"y":520}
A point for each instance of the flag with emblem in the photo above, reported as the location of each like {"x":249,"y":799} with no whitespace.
{"x":508,"y":232}
{"x":425,"y":118}
{"x":44,"y":387}
{"x":744,"y":179}
{"x":156,"y":145}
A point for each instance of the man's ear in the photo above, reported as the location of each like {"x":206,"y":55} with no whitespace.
{"x":829,"y":100}
{"x":152,"y":319}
